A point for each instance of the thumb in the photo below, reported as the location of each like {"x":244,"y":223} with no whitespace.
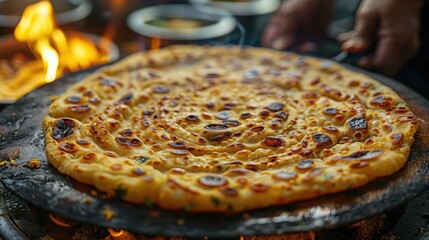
{"x":363,"y":33}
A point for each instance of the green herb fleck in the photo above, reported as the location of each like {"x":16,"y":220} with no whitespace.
{"x":215,"y":201}
{"x":230,"y":208}
{"x":148,"y":203}
{"x":190,"y":206}
{"x":223,"y":168}
{"x":120,"y":191}
{"x":328,"y":176}
{"x":401,"y":103}
{"x":142,"y":159}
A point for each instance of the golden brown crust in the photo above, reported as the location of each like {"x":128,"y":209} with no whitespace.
{"x":227,"y":128}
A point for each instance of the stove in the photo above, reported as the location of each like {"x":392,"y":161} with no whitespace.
{"x":20,"y":220}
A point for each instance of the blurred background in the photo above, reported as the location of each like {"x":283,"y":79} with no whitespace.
{"x":119,"y":27}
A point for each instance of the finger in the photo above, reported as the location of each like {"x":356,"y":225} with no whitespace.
{"x":343,"y":37}
{"x":308,"y":47}
{"x":363,"y":32}
{"x":387,"y":57}
{"x":279,"y":34}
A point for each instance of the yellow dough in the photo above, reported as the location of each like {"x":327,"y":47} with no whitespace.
{"x":221,"y":129}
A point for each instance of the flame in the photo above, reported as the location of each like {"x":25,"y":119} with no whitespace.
{"x":57,"y":51}
{"x":155,"y":43}
{"x":115,"y":232}
{"x":119,"y":234}
{"x":61,"y":222}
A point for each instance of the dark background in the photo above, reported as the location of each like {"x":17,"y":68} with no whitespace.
{"x":108,"y":18}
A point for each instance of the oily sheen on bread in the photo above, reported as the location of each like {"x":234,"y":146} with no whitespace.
{"x":226,"y":128}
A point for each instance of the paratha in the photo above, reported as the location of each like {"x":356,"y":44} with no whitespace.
{"x":226,"y":128}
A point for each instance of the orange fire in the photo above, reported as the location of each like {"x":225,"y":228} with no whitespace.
{"x":119,"y":234}
{"x":58,"y":52}
{"x":155,"y":43}
{"x":61,"y":222}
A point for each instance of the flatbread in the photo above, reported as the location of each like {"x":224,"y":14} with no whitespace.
{"x":221,"y":129}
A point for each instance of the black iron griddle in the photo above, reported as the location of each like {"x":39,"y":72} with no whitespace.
{"x":21,"y":136}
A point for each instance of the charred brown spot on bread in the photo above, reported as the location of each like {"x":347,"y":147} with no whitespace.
{"x":125,"y":99}
{"x":110,"y":154}
{"x":216,"y":127}
{"x":274,"y":142}
{"x":192,"y":118}
{"x":236,"y":145}
{"x":229,"y":105}
{"x":148,"y":112}
{"x":257,"y":129}
{"x":116,"y":167}
{"x":229,"y":192}
{"x":129,"y":142}
{"x":330,"y":111}
{"x":94,"y":100}
{"x":234,"y":123}
{"x":212,"y":181}
{"x":89,"y":156}
{"x":264,"y":113}
{"x":63,"y":128}
{"x":67,"y":147}
{"x":362,"y":155}
{"x":211,"y":75}
{"x":245,"y":116}
{"x":322,"y":140}
{"x":177,"y":171}
{"x":179,"y":152}
{"x":310,"y":95}
{"x":210,"y":105}
{"x":220,"y":137}
{"x":275,"y":106}
{"x":237,"y":171}
{"x":330,"y":129}
{"x":126,"y":132}
{"x":80,"y":108}
{"x":400,"y":109}
{"x":306,"y":152}
{"x":282,"y":115}
{"x":359,"y":165}
{"x":109,"y":83}
{"x":73,"y":99}
{"x":406,"y":118}
{"x":82,"y":142}
{"x":88,"y":94}
{"x":259,"y":187}
{"x":382,"y":101}
{"x":223,"y":115}
{"x":397,"y":138}
{"x":357,"y":123}
{"x":179,"y":145}
{"x":285,"y":175}
{"x":354,"y":83}
{"x":138,"y":171}
{"x":312,"y":174}
{"x":251,"y":74}
{"x":160,"y":89}
{"x":305,"y":164}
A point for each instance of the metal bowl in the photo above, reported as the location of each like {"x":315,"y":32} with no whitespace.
{"x":243,"y":8}
{"x":65,"y":11}
{"x":223,"y":22}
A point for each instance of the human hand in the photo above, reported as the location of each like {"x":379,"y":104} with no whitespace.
{"x":393,"y":25}
{"x":296,"y":21}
